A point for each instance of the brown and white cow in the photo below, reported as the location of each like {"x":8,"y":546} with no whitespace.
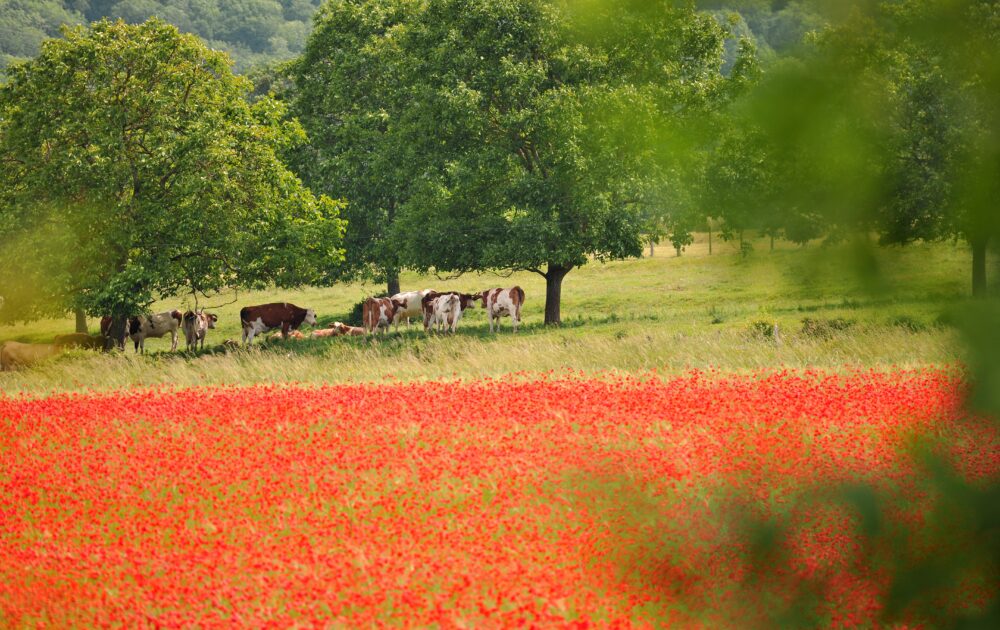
{"x":499,"y":302}
{"x":16,"y":354}
{"x":265,"y":317}
{"x":445,"y":309}
{"x":411,"y":306}
{"x":196,"y":325}
{"x":378,"y":313}
{"x":339,"y":329}
{"x":157,"y":325}
{"x":431,"y":310}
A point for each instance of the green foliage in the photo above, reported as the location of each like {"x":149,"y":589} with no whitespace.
{"x":131,"y":167}
{"x":499,"y":135}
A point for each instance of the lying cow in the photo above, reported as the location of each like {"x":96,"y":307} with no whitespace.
{"x":196,"y":326}
{"x":410,"y":305}
{"x":350,"y":331}
{"x":378,"y":313}
{"x":500,"y":302}
{"x":157,"y":325}
{"x":80,"y":340}
{"x":16,"y":354}
{"x":260,"y":319}
{"x":339,"y":329}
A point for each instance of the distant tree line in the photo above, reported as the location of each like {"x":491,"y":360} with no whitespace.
{"x":253,"y":32}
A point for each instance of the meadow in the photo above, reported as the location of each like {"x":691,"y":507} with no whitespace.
{"x":662,"y":312}
{"x":614,"y":471}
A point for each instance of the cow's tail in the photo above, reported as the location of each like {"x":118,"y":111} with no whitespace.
{"x":243,"y":317}
{"x":520,"y":300}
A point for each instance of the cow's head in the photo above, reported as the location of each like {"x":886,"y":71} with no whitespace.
{"x":310,"y":317}
{"x":210,"y":319}
{"x":468,"y":299}
{"x":398,"y":304}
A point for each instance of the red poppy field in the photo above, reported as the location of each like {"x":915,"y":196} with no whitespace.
{"x":543,"y":500}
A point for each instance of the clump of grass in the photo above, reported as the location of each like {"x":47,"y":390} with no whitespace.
{"x":908,"y":323}
{"x":761,"y":330}
{"x":825,"y":328}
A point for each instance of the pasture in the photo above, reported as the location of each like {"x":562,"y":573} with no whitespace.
{"x":665,"y":313}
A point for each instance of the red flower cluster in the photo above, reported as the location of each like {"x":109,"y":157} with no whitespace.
{"x":453,"y":503}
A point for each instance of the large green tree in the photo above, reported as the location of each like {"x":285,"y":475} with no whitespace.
{"x":350,"y":94}
{"x":132,"y":168}
{"x":509,"y":128}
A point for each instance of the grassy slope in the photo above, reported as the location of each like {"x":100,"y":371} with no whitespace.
{"x":663,"y":312}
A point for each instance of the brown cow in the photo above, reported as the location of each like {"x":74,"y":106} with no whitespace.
{"x":499,"y":302}
{"x":106,"y":322}
{"x":378,"y":313}
{"x":80,"y":340}
{"x":15,"y":353}
{"x":265,"y":317}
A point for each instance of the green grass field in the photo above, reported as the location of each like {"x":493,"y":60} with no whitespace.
{"x":665,"y":313}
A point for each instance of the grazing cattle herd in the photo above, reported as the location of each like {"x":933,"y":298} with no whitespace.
{"x":440,"y":311}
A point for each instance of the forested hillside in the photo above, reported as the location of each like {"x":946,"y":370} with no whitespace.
{"x":251,"y":31}
{"x":256,"y":32}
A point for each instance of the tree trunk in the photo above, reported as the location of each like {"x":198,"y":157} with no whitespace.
{"x":979,"y":267}
{"x":81,"y":321}
{"x":677,"y":248}
{"x":553,"y":293}
{"x":710,"y":239}
{"x":650,"y":247}
{"x":772,"y":242}
{"x":392,"y":281}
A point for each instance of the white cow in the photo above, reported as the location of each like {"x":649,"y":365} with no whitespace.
{"x":196,"y":325}
{"x":145,"y":326}
{"x":499,"y":302}
{"x":411,"y":306}
{"x":444,"y":312}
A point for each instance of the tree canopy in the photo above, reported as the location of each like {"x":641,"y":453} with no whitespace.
{"x":499,"y":135}
{"x":132,"y":167}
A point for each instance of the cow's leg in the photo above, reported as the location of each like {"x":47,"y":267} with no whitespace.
{"x":173,"y":341}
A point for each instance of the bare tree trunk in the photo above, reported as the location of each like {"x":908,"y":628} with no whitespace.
{"x":81,"y":321}
{"x":979,"y":266}
{"x":677,"y":248}
{"x":651,"y":247}
{"x":553,"y":293}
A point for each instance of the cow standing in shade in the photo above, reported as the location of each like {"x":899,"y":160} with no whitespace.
{"x":196,"y":326}
{"x":411,"y":305}
{"x":499,"y":302}
{"x":79,"y":340}
{"x":260,"y":319}
{"x":157,"y":325}
{"x":106,"y":322}
{"x":445,"y":309}
{"x":378,"y":313}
